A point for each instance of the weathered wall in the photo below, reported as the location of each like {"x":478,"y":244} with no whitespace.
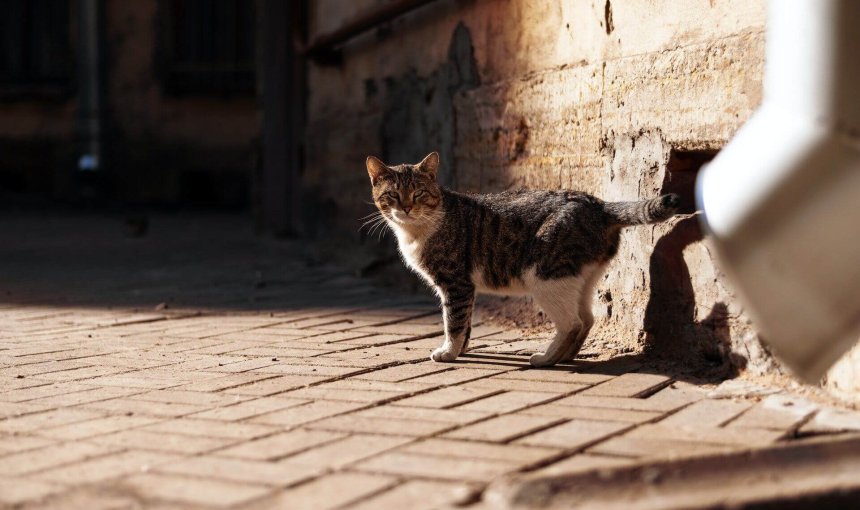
{"x":623,"y":99}
{"x":574,"y":94}
{"x":168,"y":145}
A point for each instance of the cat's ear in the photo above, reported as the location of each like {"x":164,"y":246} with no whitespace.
{"x":375,"y":169}
{"x":430,"y":164}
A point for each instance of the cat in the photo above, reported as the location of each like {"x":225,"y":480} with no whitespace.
{"x":553,"y":245}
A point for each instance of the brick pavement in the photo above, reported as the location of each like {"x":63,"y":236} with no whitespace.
{"x":309,"y":390}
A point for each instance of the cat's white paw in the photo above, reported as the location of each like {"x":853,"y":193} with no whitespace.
{"x":443,"y":354}
{"x":540,"y":359}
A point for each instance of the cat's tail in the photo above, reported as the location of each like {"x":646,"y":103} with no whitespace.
{"x":646,"y":211}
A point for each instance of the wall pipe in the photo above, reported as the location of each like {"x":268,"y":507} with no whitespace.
{"x":374,"y":17}
{"x":781,"y":201}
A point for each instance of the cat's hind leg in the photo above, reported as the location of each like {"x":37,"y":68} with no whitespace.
{"x":585,"y":312}
{"x":560,"y":300}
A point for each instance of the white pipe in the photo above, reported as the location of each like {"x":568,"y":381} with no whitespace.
{"x":781,"y":201}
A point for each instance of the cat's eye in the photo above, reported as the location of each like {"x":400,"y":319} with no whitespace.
{"x":419,"y":193}
{"x":392,"y":195}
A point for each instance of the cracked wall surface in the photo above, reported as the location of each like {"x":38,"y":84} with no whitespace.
{"x":596,"y":96}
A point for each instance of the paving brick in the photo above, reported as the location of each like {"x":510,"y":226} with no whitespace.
{"x":196,"y":491}
{"x":144,"y":407}
{"x":159,"y":441}
{"x":368,"y":385}
{"x":274,"y":386}
{"x":196,"y":398}
{"x":740,"y":436}
{"x":418,"y":495}
{"x":95,"y":427}
{"x":459,"y":449}
{"x":558,"y":388}
{"x":346,"y":395}
{"x":404,"y":372}
{"x":706,"y":413}
{"x":629,"y":385}
{"x":17,"y":491}
{"x":435,"y":467}
{"x":421,"y":414}
{"x":677,"y":395}
{"x":74,"y":498}
{"x":222,"y":383}
{"x":342,"y":452}
{"x":21,"y":390}
{"x":828,"y":420}
{"x":44,"y":367}
{"x":508,"y":402}
{"x":276,"y":474}
{"x":332,"y":491}
{"x":107,"y":467}
{"x":447,"y":397}
{"x":244,"y":365}
{"x":50,"y":456}
{"x":635,"y":447}
{"x":211,"y":428}
{"x":485,"y":361}
{"x":388,"y":426}
{"x":405,"y":328}
{"x":249,"y":408}
{"x":592,"y":413}
{"x":280,"y":445}
{"x":776,"y":412}
{"x":503,"y":428}
{"x":312,"y":370}
{"x":16,"y":409}
{"x":454,"y":376}
{"x":575,"y":434}
{"x":19,"y":443}
{"x":632,"y":404}
{"x":78,"y":374}
{"x":47,"y":419}
{"x":307,"y":413}
{"x":582,"y":462}
{"x":556,"y":375}
{"x":83,"y":397}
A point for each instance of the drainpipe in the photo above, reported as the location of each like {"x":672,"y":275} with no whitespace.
{"x":91,"y":159}
{"x":781,"y":201}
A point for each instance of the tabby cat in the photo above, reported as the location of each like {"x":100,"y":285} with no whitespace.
{"x":553,"y":245}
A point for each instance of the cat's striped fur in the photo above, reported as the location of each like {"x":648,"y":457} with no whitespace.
{"x":553,"y":245}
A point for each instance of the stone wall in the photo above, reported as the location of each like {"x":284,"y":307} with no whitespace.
{"x":621,"y":99}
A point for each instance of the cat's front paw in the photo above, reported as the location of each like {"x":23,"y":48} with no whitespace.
{"x":443,"y":354}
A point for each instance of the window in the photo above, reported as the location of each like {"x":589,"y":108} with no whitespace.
{"x":210,"y":47}
{"x":35,"y":53}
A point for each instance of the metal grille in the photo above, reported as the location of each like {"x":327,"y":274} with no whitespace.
{"x":210,"y":47}
{"x":34,"y":43}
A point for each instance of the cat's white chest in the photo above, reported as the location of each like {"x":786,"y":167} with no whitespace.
{"x":411,"y":249}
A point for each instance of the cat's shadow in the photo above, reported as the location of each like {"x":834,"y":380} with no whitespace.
{"x":674,"y":339}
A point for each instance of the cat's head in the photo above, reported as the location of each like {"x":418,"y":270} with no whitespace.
{"x":406,"y":193}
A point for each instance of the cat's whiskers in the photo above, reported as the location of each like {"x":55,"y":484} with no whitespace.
{"x":375,"y":221}
{"x":371,"y":221}
{"x":380,"y":226}
{"x":373,"y":214}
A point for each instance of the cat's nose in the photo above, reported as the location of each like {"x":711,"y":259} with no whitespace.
{"x":407,"y":208}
